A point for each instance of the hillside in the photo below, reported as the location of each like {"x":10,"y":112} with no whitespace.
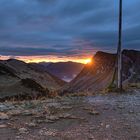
{"x":99,"y":74}
{"x":19,"y":78}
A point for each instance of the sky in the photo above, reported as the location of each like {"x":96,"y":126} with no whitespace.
{"x":65,"y":30}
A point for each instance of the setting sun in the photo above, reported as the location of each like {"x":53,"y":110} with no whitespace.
{"x":87,"y":61}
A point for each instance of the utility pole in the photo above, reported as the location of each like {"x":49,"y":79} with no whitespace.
{"x":119,"y":53}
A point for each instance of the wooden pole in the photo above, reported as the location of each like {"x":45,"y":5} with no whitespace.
{"x":120,"y":48}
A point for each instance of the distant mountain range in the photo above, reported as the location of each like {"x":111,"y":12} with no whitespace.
{"x":66,"y":71}
{"x":99,"y":75}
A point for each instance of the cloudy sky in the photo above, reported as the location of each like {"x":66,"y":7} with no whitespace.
{"x":65,"y":29}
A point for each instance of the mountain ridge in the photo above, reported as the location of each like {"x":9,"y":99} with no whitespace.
{"x":98,"y":75}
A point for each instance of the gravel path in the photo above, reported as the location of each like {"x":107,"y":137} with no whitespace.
{"x":101,"y":117}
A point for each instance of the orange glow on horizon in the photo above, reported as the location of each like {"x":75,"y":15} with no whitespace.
{"x":88,"y":61}
{"x":49,"y":58}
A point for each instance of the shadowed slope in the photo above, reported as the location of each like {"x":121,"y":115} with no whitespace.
{"x":19,"y":78}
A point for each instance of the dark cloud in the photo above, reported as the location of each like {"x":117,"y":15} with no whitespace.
{"x":65,"y":27}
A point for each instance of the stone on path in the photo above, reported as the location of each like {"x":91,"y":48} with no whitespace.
{"x":3,"y":125}
{"x":4,"y":116}
{"x":23,"y":130}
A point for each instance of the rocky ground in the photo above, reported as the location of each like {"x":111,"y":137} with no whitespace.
{"x":100,"y":117}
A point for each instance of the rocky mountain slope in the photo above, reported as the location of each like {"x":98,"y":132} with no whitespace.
{"x":19,"y":78}
{"x":99,"y":74}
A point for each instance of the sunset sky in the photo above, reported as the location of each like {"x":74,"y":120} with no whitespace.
{"x":65,"y":30}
